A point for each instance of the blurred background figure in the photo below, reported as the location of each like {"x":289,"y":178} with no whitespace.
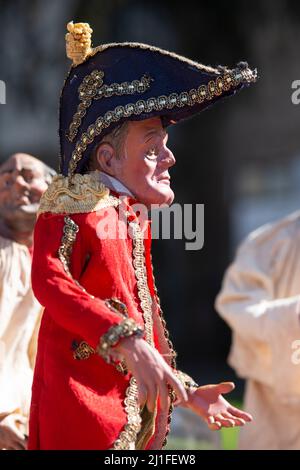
{"x":260,"y":301}
{"x":23,"y":179}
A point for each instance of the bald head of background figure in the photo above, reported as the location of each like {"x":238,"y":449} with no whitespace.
{"x":23,"y":180}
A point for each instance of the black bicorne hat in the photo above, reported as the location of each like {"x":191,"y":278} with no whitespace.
{"x":113,"y":83}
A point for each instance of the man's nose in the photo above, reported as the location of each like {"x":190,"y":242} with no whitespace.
{"x":168,"y":158}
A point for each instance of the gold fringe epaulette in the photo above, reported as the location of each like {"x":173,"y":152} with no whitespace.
{"x":76,"y":194}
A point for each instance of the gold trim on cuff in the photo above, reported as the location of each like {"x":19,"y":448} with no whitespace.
{"x":186,"y":380}
{"x":110,"y":339}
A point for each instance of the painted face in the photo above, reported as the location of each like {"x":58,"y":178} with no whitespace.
{"x":22,"y":183}
{"x":144,"y":167}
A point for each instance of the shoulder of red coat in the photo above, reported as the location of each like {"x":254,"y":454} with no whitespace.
{"x":77,"y":194}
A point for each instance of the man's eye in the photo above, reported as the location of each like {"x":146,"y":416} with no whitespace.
{"x":152,"y":154}
{"x":28,"y":179}
{"x":28,"y":176}
{"x":7,"y":182}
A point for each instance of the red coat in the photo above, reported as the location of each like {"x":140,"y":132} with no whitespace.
{"x":80,"y":404}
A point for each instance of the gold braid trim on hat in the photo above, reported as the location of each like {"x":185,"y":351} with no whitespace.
{"x":140,"y":45}
{"x":79,"y":194}
{"x":92,"y":88}
{"x":206,"y":92}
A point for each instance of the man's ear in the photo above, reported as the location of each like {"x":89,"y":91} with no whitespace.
{"x":105,"y":158}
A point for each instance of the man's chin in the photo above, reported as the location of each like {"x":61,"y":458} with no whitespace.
{"x":164,"y":197}
{"x":23,"y":217}
{"x":29,"y":209}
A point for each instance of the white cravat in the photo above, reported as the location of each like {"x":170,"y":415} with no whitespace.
{"x":112,"y":183}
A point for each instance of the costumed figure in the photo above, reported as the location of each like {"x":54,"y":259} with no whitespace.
{"x":106,"y":375}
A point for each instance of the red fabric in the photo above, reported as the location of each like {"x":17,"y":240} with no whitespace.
{"x":79,"y":404}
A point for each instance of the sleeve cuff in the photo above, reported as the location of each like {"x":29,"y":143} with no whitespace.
{"x":125,"y":329}
{"x":186,"y":380}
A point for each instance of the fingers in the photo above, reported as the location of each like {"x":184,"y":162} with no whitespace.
{"x":237,"y":421}
{"x":213,"y":424}
{"x":148,"y":396}
{"x":225,"y":419}
{"x":151,"y":396}
{"x":148,"y":391}
{"x":164,"y":396}
{"x":240,"y":414}
{"x":152,"y":374}
{"x":226,"y":387}
{"x":142,"y":391}
{"x":233,"y":417}
{"x":226,"y":422}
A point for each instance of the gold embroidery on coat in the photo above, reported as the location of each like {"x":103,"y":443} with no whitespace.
{"x":79,"y":194}
{"x":128,"y":437}
{"x":172,"y":394}
{"x":142,"y":282}
{"x":70,"y":231}
{"x":83,"y":351}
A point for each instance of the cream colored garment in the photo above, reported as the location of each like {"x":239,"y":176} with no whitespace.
{"x":260,"y":302}
{"x":19,"y":314}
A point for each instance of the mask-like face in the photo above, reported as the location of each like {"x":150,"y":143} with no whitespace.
{"x":22,"y":183}
{"x":143,"y":168}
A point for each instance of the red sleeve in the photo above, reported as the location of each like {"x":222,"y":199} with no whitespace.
{"x":67,"y":304}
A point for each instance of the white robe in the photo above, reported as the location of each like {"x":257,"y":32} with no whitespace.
{"x":19,"y":315}
{"x":260,"y":301}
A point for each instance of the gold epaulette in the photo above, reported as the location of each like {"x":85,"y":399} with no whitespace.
{"x":76,"y":194}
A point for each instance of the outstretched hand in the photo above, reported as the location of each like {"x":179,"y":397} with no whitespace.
{"x":153,"y":375}
{"x":208,"y":402}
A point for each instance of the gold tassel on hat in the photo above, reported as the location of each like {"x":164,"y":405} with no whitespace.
{"x":78,"y":42}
